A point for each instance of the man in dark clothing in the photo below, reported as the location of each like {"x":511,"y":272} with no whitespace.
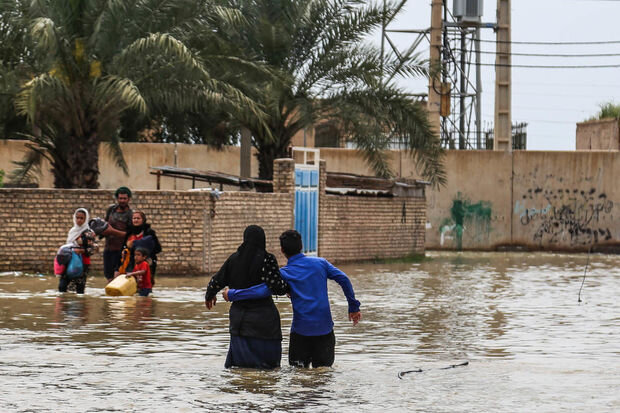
{"x":118,"y":217}
{"x":312,"y":339}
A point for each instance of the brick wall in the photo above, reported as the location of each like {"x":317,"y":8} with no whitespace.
{"x":354,"y":228}
{"x":199,"y":230}
{"x":35,"y":222}
{"x":361,"y":228}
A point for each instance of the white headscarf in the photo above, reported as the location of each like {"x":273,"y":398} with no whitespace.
{"x":76,"y":231}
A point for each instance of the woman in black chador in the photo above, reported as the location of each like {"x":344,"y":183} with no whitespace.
{"x":255,"y":333}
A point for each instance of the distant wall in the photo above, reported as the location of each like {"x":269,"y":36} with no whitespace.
{"x":598,"y":135}
{"x":139,"y":158}
{"x":492,"y":199}
{"x":537,"y":200}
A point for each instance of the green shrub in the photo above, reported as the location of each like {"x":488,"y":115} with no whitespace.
{"x":608,"y":110}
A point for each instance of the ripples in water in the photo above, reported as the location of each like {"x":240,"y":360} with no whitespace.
{"x":515,"y":317}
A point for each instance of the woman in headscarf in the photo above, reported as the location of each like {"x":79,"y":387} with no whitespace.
{"x":255,"y":333}
{"x":141,"y":234}
{"x":81,"y":239}
{"x":80,"y":224}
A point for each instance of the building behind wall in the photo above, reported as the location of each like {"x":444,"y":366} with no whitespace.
{"x":598,"y":135}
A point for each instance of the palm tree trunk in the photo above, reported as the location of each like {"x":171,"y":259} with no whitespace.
{"x":80,"y":168}
{"x":267,"y":153}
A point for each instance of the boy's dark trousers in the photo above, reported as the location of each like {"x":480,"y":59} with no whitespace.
{"x":318,"y":350}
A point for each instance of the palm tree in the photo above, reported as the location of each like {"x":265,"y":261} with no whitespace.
{"x":98,"y":60}
{"x":322,"y":70}
{"x":14,"y":58}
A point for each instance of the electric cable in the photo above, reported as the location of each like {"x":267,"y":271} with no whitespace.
{"x":451,"y":366}
{"x":549,"y":66}
{"x":584,"y":274}
{"x":545,"y":54}
{"x":552,"y":43}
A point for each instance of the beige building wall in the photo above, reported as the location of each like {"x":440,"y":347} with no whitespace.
{"x":598,"y":135}
{"x":304,"y":137}
{"x":566,"y":200}
{"x":139,"y":158}
{"x":538,"y":200}
{"x":531,"y":199}
{"x":473,"y":210}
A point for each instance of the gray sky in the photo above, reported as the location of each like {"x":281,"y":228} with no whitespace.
{"x":551,"y":101}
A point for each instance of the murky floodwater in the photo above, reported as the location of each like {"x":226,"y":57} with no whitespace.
{"x":514,"y":317}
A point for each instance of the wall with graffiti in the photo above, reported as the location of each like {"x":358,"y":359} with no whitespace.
{"x":566,"y":200}
{"x":473,"y":210}
{"x":526,"y":199}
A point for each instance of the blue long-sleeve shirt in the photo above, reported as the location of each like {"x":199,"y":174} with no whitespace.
{"x":307,"y":278}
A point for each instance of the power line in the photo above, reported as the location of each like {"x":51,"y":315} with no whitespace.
{"x":550,"y":66}
{"x":546,"y":54}
{"x":490,"y":109}
{"x":567,"y":84}
{"x":554,"y":43}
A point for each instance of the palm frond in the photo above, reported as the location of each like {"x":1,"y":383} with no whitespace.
{"x":29,"y":168}
{"x":161,"y":44}
{"x":117,"y":94}
{"x":115,"y":150}
{"x":43,"y":31}
{"x":42,"y":88}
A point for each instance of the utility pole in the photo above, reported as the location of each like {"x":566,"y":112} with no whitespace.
{"x":434,"y":87}
{"x":503,"y":89}
{"x":478,"y":91}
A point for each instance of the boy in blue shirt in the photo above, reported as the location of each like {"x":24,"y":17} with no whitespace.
{"x":312,"y":339}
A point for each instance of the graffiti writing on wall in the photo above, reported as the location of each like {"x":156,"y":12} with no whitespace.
{"x":465,"y":216}
{"x":572,"y":216}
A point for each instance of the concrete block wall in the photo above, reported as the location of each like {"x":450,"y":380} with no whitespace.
{"x":34,"y":224}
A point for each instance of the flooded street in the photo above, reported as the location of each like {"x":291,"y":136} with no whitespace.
{"x":515,"y":317}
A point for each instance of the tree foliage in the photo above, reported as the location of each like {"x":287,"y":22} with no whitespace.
{"x":323,"y":70}
{"x":81,"y":72}
{"x":96,"y":61}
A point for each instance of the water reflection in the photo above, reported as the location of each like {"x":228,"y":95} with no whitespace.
{"x":515,"y":317}
{"x":70,"y":310}
{"x":129,"y":312}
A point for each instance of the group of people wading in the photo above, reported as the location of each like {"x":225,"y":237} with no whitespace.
{"x":249,"y":278}
{"x":131,"y":246}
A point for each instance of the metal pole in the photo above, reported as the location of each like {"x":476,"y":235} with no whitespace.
{"x":462,"y":91}
{"x":383,"y":27}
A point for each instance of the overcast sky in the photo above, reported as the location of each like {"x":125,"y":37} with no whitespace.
{"x":551,"y":101}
